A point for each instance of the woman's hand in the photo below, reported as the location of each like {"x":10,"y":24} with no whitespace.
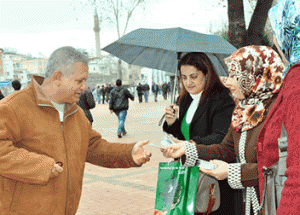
{"x":175,"y":150}
{"x":170,"y":114}
{"x":220,"y":173}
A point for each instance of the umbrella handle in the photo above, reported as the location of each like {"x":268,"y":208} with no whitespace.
{"x":174,"y":88}
{"x":161,"y":120}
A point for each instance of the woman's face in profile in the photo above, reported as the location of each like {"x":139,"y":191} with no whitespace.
{"x":233,"y":85}
{"x":193,"y":79}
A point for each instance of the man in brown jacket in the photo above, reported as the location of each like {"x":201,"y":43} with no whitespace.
{"x":45,"y":140}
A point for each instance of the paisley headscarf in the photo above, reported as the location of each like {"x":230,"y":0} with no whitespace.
{"x":285,"y":21}
{"x":258,"y":70}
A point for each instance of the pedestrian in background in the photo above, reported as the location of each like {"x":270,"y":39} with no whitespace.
{"x":87,"y":102}
{"x":155,"y":91}
{"x":46,"y":139}
{"x":94,"y":92}
{"x":108,"y":90}
{"x":119,"y":105}
{"x":146,"y":91}
{"x":165,"y":89}
{"x":98,"y":94}
{"x":103,"y":92}
{"x":16,"y":85}
{"x":140,"y":92}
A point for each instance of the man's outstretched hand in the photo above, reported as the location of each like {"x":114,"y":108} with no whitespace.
{"x":139,"y":154}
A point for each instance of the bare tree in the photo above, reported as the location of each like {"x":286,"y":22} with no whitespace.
{"x":117,"y":13}
{"x":123,"y":11}
{"x":236,"y":20}
{"x":238,"y":35}
{"x":255,"y":31}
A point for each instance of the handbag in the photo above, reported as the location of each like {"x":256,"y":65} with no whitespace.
{"x":274,"y":178}
{"x":175,"y":192}
{"x":208,"y":194}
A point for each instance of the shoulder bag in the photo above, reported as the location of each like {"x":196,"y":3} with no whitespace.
{"x":208,"y":194}
{"x":274,"y":178}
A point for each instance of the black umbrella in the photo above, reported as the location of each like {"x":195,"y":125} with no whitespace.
{"x":162,"y":49}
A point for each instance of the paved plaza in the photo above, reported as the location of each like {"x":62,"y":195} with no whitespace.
{"x":125,"y":191}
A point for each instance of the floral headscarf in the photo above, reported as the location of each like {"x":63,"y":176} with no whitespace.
{"x":285,"y":21}
{"x":258,"y":70}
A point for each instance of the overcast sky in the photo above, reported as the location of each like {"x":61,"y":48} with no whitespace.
{"x":41,"y":26}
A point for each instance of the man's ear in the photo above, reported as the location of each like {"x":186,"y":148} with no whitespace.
{"x":57,"y":77}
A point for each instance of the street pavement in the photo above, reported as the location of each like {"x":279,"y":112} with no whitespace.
{"x":125,"y":191}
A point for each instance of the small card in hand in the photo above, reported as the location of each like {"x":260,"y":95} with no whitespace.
{"x":205,"y":164}
{"x":157,"y":146}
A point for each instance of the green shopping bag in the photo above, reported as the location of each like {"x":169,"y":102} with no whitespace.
{"x":176,"y":189}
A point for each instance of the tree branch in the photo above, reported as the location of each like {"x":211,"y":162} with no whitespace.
{"x":129,"y":14}
{"x":236,"y":20}
{"x":255,"y":31}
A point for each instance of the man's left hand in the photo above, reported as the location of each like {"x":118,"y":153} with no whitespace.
{"x":220,"y":173}
{"x":139,"y":155}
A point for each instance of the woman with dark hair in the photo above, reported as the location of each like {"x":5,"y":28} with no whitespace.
{"x":255,"y":78}
{"x":202,"y":114}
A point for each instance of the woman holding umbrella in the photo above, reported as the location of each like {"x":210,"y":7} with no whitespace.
{"x":203,"y":113}
{"x":255,"y":78}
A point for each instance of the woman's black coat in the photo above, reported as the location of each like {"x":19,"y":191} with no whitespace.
{"x":209,"y":126}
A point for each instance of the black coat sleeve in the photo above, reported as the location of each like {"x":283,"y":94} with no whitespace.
{"x":111,"y":101}
{"x":90,"y":100}
{"x":129,"y":95}
{"x":172,"y":129}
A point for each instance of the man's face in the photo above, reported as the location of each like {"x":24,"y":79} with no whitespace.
{"x":74,"y":84}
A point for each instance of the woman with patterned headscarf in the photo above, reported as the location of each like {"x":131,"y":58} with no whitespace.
{"x":285,"y":21}
{"x":255,"y":78}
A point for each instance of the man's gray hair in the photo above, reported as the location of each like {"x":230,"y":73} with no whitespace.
{"x":62,"y":58}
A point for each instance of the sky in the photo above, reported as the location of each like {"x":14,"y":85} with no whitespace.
{"x":39,"y":27}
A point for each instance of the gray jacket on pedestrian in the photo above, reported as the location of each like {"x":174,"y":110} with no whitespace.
{"x":119,"y":99}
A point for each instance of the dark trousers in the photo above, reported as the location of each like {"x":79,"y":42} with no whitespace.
{"x":140,"y":97}
{"x":155,"y":95}
{"x":165,"y":95}
{"x":103,"y":98}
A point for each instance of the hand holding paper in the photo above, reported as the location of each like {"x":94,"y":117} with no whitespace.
{"x":219,"y":173}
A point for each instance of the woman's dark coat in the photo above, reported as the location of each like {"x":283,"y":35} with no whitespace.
{"x":209,"y":126}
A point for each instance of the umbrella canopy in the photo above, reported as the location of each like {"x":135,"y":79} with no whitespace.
{"x":159,"y":48}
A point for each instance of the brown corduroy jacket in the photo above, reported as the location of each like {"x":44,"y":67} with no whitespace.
{"x":32,"y":139}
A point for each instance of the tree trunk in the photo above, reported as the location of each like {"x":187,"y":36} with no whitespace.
{"x":236,"y":19}
{"x":120,"y":68}
{"x":255,"y":31}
